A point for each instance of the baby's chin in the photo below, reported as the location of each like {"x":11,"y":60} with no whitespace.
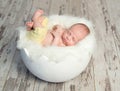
{"x":68,"y":43}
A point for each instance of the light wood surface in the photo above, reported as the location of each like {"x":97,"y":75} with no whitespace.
{"x":103,"y":71}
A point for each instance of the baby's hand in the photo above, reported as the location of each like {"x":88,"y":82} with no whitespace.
{"x":57,"y":30}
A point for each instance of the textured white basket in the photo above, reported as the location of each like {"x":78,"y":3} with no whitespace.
{"x":57,"y":64}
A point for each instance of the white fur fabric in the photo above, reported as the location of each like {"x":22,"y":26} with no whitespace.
{"x":80,"y":53}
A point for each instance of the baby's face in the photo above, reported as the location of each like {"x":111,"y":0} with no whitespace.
{"x":76,"y":33}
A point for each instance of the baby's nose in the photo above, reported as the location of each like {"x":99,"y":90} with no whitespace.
{"x":69,"y":37}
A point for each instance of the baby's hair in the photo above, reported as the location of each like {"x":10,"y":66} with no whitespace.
{"x":83,"y":25}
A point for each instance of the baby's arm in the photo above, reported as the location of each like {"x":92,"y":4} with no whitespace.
{"x":56,"y":38}
{"x":48,"y":39}
{"x":56,"y":33}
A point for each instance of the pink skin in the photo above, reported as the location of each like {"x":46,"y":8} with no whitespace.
{"x":57,"y":32}
{"x":53,"y":36}
{"x":36,"y":20}
{"x":76,"y":33}
{"x":29,"y":25}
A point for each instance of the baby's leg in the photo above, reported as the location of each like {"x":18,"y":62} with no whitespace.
{"x":37,"y":14}
{"x":38,"y":18}
{"x":29,"y":25}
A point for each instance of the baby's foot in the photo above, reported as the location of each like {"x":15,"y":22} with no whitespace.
{"x":29,"y":25}
{"x":38,"y":18}
{"x":37,"y":15}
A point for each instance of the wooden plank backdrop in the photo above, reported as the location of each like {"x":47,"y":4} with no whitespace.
{"x":103,"y":71}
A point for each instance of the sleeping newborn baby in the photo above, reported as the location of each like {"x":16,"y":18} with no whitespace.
{"x":57,"y":36}
{"x":66,"y":37}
